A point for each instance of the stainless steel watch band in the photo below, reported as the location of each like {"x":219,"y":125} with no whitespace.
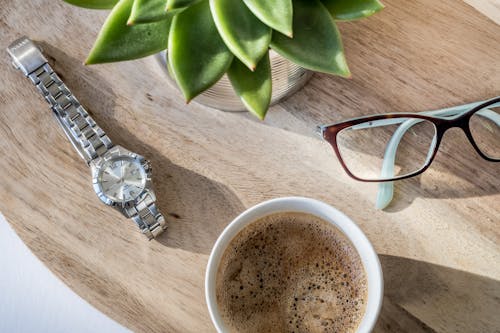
{"x":147,"y":217}
{"x":87,"y":137}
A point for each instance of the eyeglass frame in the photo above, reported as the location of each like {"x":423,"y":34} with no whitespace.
{"x":461,"y":118}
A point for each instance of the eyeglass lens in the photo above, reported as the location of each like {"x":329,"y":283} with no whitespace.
{"x":387,"y":148}
{"x":484,"y":126}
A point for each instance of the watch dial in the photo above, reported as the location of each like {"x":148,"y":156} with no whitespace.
{"x":122,"y":179}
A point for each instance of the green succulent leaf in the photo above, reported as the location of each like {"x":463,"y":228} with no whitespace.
{"x":277,"y":14}
{"x":93,"y":4}
{"x":117,"y":41}
{"x":254,"y":88}
{"x":196,"y":52}
{"x":316,"y":44}
{"x":352,"y":9}
{"x":244,"y":34}
{"x":177,"y":4}
{"x":146,"y":11}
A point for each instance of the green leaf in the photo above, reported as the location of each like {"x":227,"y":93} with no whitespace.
{"x":176,"y":4}
{"x":93,"y":4}
{"x":244,"y":34}
{"x":316,"y":44}
{"x":254,"y":88}
{"x":117,"y":41}
{"x":277,"y":13}
{"x":352,"y":9}
{"x":196,"y":52}
{"x":146,"y":11}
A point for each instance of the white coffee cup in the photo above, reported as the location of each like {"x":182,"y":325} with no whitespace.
{"x":320,"y":209}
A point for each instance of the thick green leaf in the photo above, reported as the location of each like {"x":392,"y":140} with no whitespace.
{"x":117,"y":41}
{"x":277,"y":13}
{"x":196,"y":52}
{"x":352,"y":9}
{"x":177,"y":4}
{"x":93,"y":4}
{"x":146,"y":11}
{"x":244,"y":34}
{"x":254,"y":88}
{"x":316,"y":44}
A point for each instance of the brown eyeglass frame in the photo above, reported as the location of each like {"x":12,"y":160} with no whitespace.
{"x":330,"y":132}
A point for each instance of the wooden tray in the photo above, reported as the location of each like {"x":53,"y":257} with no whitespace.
{"x":438,"y":242}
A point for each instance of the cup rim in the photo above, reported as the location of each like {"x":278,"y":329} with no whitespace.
{"x":322,"y":210}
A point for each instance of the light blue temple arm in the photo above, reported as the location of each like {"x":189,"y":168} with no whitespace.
{"x":386,"y":189}
{"x":453,"y":111}
{"x":491,"y":115}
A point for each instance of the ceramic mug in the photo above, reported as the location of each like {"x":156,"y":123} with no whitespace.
{"x":320,"y":209}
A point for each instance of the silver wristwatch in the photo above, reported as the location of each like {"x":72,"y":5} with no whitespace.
{"x":121,"y":178}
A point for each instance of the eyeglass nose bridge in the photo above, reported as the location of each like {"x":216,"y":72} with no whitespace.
{"x":461,"y":122}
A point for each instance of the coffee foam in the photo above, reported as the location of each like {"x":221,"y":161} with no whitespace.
{"x":291,"y":272}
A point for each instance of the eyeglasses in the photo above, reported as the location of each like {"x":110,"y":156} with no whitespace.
{"x":394,"y":146}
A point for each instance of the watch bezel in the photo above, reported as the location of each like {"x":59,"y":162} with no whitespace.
{"x":119,"y":152}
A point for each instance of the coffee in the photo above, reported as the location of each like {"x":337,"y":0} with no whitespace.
{"x":291,"y":272}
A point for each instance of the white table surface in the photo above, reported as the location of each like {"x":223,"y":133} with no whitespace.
{"x":33,"y":300}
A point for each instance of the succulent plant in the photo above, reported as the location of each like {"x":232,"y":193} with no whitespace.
{"x":206,"y":39}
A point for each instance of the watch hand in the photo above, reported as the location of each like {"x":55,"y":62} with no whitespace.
{"x":122,"y":171}
{"x":120,"y":193}
{"x":112,"y":175}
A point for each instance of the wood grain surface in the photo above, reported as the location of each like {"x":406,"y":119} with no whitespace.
{"x":438,"y":241}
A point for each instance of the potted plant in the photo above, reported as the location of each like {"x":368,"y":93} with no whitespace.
{"x":206,"y":39}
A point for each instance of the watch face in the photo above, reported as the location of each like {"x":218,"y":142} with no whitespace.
{"x":122,"y":179}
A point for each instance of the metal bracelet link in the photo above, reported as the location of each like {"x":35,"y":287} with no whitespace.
{"x":147,"y":217}
{"x":87,"y":137}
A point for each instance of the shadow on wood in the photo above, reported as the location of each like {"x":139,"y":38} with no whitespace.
{"x":423,"y":297}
